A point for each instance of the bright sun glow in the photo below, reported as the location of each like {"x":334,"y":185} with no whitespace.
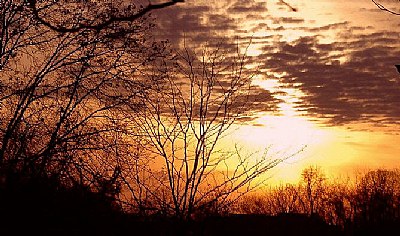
{"x":283,"y":136}
{"x":336,"y":149}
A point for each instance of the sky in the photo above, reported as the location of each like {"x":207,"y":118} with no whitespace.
{"x":327,"y":68}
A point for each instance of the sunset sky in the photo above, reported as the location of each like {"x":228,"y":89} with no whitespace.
{"x":328,"y":67}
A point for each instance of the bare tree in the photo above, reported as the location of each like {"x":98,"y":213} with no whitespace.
{"x":285,"y":199}
{"x":63,"y":93}
{"x":254,"y":204}
{"x":313,"y":178}
{"x":197,"y":97}
{"x":377,"y":195}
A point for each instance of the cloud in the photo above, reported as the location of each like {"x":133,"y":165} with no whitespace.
{"x":247,"y":7}
{"x":202,"y":22}
{"x":288,"y":20}
{"x":350,"y":79}
{"x":176,"y":23}
{"x":363,"y":88}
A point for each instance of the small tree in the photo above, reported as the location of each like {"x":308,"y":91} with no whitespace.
{"x":313,"y":180}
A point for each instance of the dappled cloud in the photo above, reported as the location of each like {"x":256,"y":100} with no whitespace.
{"x":340,"y":67}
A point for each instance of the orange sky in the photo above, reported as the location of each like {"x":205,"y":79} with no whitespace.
{"x":331,"y":64}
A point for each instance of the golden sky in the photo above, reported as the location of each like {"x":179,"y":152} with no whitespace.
{"x":329,"y":66}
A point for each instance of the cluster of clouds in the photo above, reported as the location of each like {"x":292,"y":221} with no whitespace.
{"x":351,"y":79}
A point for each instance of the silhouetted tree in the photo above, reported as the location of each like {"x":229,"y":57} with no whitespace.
{"x":285,"y":199}
{"x":256,"y":204}
{"x":336,"y":207}
{"x":313,"y":180}
{"x":377,"y":199}
{"x":199,"y":96}
{"x":69,"y":71}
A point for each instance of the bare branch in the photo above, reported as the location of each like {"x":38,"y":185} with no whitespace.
{"x":105,"y":23}
{"x":383,"y":8}
{"x":288,"y":5}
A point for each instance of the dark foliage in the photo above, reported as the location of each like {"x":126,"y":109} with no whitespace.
{"x":42,"y":206}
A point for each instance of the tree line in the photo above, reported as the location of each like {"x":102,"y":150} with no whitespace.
{"x":365,"y":205}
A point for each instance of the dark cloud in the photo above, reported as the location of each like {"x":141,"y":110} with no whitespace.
{"x":261,"y":100}
{"x":350,"y":80}
{"x":288,"y":20}
{"x":363,"y":88}
{"x":260,"y":26}
{"x":250,"y":102}
{"x":204,"y":22}
{"x":194,"y":23}
{"x":332,"y":26}
{"x":248,"y":6}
